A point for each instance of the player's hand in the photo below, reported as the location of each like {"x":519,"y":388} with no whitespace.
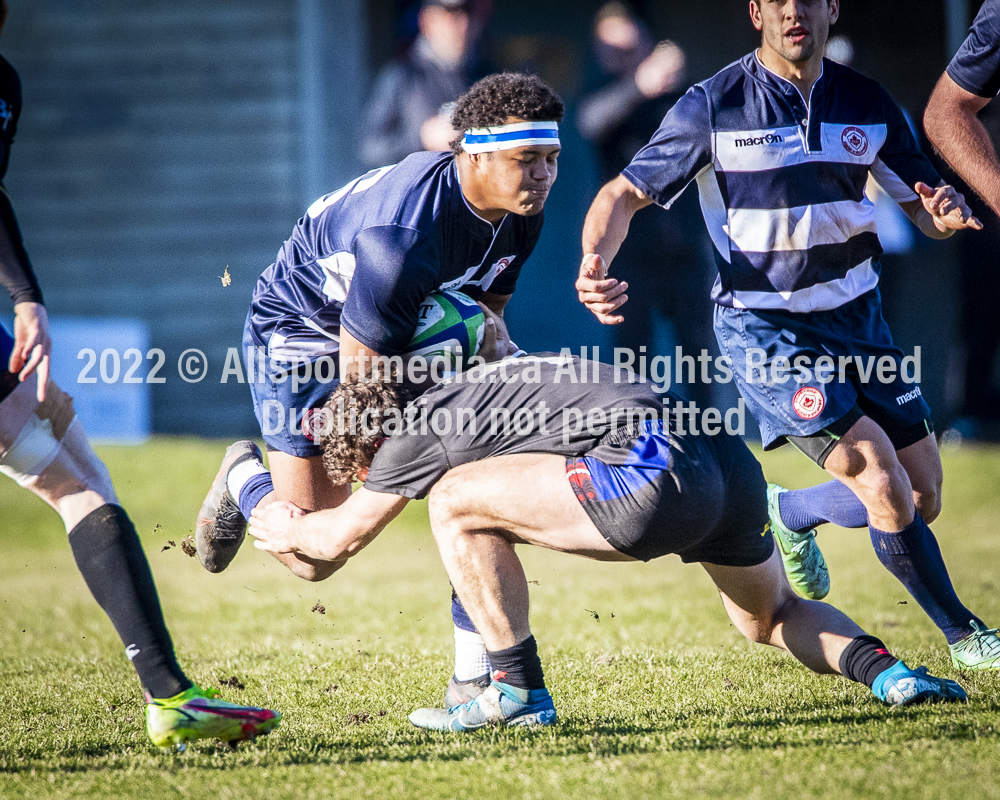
{"x":496,"y":340}
{"x":662,"y":71}
{"x":947,"y":208}
{"x":275,"y":529}
{"x":602,"y":295}
{"x":32,"y":345}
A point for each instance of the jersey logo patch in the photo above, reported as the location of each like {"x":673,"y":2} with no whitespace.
{"x":808,"y":402}
{"x":501,"y":265}
{"x":855,"y":141}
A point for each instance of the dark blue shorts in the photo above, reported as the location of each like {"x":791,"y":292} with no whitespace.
{"x":8,"y":380}
{"x":806,"y":405}
{"x":704,"y":499}
{"x":285,"y":393}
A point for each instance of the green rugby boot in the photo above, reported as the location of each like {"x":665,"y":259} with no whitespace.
{"x":979,"y":650}
{"x":200,"y":714}
{"x":804,"y":563}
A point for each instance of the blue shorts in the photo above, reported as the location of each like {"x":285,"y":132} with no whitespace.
{"x":285,"y":393}
{"x":8,"y":380}
{"x":704,"y":498}
{"x":810,"y":401}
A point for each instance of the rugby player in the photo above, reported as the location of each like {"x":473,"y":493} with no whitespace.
{"x":44,"y":448}
{"x":971,"y":80}
{"x":617,"y":474}
{"x":781,"y":144}
{"x":348,"y":284}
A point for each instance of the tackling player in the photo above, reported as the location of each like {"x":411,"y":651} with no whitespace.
{"x":781,"y":144}
{"x":348,"y":284}
{"x":616,"y":475}
{"x":44,"y":448}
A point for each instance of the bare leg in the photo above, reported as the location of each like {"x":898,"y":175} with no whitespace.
{"x":476,"y":526}
{"x":764,"y":608}
{"x":922,"y":463}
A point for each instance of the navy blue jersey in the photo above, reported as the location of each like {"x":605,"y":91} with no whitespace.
{"x":976,"y":65}
{"x":782,"y":180}
{"x":365,"y":256}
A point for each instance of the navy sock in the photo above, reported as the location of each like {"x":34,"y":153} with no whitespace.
{"x":254,"y":490}
{"x":110,"y":558}
{"x":865,"y":658}
{"x":459,"y":615}
{"x":913,"y":556}
{"x":803,"y":509}
{"x":519,"y":665}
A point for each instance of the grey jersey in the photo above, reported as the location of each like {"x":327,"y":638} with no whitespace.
{"x":536,"y":404}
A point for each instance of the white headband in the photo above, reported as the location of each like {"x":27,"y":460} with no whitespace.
{"x":505,"y":137}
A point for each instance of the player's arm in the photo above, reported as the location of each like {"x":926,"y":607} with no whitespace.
{"x":32,"y":341}
{"x":604,"y":230}
{"x":958,"y":134}
{"x":680,"y":150}
{"x":334,"y":534}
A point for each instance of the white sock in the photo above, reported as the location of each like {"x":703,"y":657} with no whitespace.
{"x":241,"y":473}
{"x":471,"y":660}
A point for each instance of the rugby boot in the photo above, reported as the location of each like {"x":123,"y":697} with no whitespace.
{"x":459,"y":692}
{"x":902,"y":686}
{"x":200,"y":714}
{"x":804,"y":563}
{"x":499,"y":704}
{"x":979,"y":650}
{"x":221,"y":525}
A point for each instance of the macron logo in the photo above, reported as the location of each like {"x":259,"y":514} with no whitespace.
{"x":771,"y":138}
{"x":131,"y":651}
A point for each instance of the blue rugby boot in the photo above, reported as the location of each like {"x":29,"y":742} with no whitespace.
{"x":499,"y":704}
{"x":902,"y":686}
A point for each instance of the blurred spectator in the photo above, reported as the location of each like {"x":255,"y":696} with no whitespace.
{"x":409,"y":109}
{"x":665,"y":253}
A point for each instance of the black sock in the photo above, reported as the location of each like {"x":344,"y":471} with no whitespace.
{"x":519,"y":665}
{"x":865,"y":658}
{"x":110,"y":558}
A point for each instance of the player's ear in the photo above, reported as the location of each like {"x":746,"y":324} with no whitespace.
{"x":834,"y":8}
{"x":362,"y":474}
{"x":755,"y":18}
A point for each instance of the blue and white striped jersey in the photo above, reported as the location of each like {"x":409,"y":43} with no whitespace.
{"x":782,"y":180}
{"x":365,"y":256}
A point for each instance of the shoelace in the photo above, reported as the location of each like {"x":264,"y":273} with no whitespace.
{"x":981,"y":641}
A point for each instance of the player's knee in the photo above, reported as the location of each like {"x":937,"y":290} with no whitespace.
{"x":928,"y":503}
{"x":443,"y":506}
{"x":312,"y":571}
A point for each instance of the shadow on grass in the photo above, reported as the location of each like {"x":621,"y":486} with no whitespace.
{"x":698,"y":731}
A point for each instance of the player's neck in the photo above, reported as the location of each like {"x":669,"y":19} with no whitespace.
{"x":477,"y":196}
{"x":802,"y":74}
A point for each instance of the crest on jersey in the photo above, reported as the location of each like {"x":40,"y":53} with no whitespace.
{"x":501,"y":265}
{"x":855,"y":140}
{"x":808,"y":402}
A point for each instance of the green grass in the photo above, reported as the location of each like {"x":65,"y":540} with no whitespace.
{"x":658,"y":696}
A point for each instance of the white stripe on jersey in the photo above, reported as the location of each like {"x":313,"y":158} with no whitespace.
{"x":357,"y":185}
{"x":819,"y":297}
{"x":713,"y":209}
{"x":761,"y":230}
{"x":281,"y":349}
{"x":755,"y":151}
{"x":891,"y":183}
{"x":339,"y":270}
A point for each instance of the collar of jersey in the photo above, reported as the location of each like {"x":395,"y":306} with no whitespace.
{"x":755,"y":67}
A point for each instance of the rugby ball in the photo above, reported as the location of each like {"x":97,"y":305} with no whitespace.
{"x":450,"y":325}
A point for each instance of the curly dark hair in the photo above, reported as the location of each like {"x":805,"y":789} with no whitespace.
{"x":353,"y":418}
{"x":496,"y":97}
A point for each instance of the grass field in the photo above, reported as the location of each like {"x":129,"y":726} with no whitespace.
{"x":657,"y":694}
